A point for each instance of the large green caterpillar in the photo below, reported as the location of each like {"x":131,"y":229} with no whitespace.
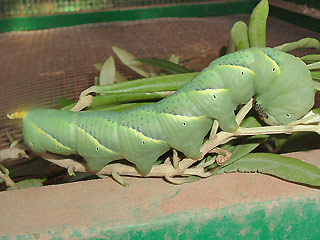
{"x":280,"y":83}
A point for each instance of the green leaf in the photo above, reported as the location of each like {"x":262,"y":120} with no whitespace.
{"x":315,"y":75}
{"x":243,"y":146}
{"x":165,"y":65}
{"x":230,"y":48}
{"x":131,"y":61}
{"x":28,"y":183}
{"x":302,"y":43}
{"x":316,"y":85}
{"x":311,"y":58}
{"x":119,"y":107}
{"x":317,"y":110}
{"x":313,"y":66}
{"x":175,"y":59}
{"x":64,"y":101}
{"x":118,"y":77}
{"x":98,"y":66}
{"x":116,"y":98}
{"x":152,"y":84}
{"x":107,"y":72}
{"x":287,"y":168}
{"x":257,"y":26}
{"x":302,"y":141}
{"x":247,"y":144}
{"x":239,"y":35}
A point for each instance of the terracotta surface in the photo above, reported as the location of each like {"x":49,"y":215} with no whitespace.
{"x":106,"y":203}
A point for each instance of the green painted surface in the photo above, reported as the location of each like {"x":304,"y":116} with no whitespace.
{"x":194,"y":10}
{"x":279,"y":219}
{"x":63,"y":20}
{"x":272,"y":219}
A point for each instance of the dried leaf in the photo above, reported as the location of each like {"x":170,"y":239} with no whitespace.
{"x":131,"y":61}
{"x":107,"y":72}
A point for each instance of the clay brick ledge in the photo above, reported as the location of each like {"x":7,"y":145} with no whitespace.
{"x":244,"y":206}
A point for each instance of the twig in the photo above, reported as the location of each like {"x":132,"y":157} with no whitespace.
{"x":83,"y":102}
{"x":4,"y":174}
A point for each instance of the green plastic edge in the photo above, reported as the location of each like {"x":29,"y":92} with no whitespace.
{"x":282,"y":218}
{"x":64,"y":20}
{"x":296,"y":18}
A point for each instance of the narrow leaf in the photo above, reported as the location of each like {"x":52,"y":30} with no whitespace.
{"x":243,"y":146}
{"x":98,"y":66}
{"x":152,"y":84}
{"x":317,"y":110}
{"x":230,"y":48}
{"x":175,"y":59}
{"x":287,"y":168}
{"x":315,"y":75}
{"x":311,"y":58}
{"x":28,"y":183}
{"x":64,"y":101}
{"x":316,"y":85}
{"x":131,"y":61}
{"x":165,"y":65}
{"x":302,"y":43}
{"x":258,"y":22}
{"x":313,"y":66}
{"x":239,"y":34}
{"x":107,"y":72}
{"x":302,"y":141}
{"x":119,"y":107}
{"x":118,"y":77}
{"x":248,"y":144}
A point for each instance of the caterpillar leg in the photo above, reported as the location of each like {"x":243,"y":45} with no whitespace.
{"x":118,"y":179}
{"x":214,"y":129}
{"x":175,"y":159}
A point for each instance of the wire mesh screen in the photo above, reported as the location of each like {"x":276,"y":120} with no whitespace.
{"x":15,"y":8}
{"x":37,"y":67}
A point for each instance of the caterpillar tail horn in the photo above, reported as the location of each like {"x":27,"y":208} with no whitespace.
{"x":17,"y":115}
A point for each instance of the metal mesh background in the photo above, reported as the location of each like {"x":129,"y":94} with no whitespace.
{"x":39,"y":66}
{"x":14,"y":8}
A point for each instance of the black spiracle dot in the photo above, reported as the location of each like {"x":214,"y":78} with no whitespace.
{"x":97,"y":149}
{"x":184,"y":124}
{"x":214,"y":96}
{"x":143,"y":142}
{"x":57,"y":147}
{"x":242,"y":73}
{"x":273,"y":69}
{"x":287,"y":115}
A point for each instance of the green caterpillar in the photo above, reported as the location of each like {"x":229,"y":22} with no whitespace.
{"x":280,"y":83}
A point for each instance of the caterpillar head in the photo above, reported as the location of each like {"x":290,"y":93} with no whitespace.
{"x":284,"y":88}
{"x":281,"y":106}
{"x":278,"y":119}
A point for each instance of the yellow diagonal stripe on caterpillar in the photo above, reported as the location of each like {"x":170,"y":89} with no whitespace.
{"x":17,"y":115}
{"x":97,"y":142}
{"x":58,"y":144}
{"x":180,"y":117}
{"x":238,"y":67}
{"x":274,"y":63}
{"x":143,"y":136}
{"x":213,"y":90}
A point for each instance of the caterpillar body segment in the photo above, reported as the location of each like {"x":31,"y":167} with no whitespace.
{"x":280,"y":83}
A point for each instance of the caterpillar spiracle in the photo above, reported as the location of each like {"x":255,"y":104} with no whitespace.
{"x":280,"y":83}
